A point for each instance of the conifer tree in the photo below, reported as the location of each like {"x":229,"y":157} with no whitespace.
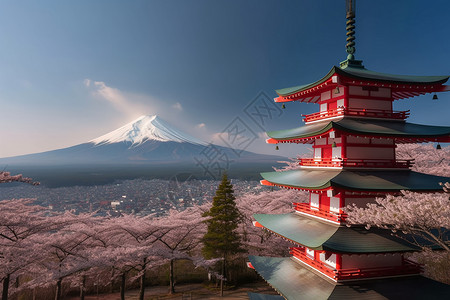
{"x":221,"y":239}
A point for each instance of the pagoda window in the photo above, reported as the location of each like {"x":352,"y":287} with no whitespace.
{"x":351,"y":139}
{"x":382,"y":105}
{"x":315,"y":200}
{"x":325,"y":96}
{"x":381,"y":92}
{"x":371,"y":260}
{"x":370,"y":153}
{"x":323,"y":107}
{"x":335,"y":204}
{"x":310,"y":253}
{"x":336,"y":152}
{"x":340,"y":103}
{"x":317,"y":153}
{"x":321,"y":141}
{"x":382,"y":141}
{"x":357,"y":90}
{"x":328,"y":258}
{"x":362,"y":202}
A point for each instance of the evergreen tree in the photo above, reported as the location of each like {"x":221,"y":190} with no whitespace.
{"x":221,"y":239}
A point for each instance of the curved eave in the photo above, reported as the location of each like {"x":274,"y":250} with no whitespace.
{"x":371,"y":128}
{"x":318,"y":235}
{"x":371,"y":181}
{"x":363,"y":74}
{"x":292,"y":90}
{"x":294,"y":281}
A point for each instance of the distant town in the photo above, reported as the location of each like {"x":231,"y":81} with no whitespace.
{"x":140,"y":197}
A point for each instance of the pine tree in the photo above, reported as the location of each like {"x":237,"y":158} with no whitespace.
{"x":221,"y":239}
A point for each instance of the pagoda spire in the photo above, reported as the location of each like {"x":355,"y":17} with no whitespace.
{"x":350,"y":46}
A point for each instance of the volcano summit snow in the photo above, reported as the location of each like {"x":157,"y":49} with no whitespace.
{"x":143,"y":129}
{"x":148,"y":147}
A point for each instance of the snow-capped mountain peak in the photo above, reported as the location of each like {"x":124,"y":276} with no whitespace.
{"x":146,"y":128}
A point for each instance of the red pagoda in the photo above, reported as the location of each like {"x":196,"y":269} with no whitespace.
{"x":354,"y":137}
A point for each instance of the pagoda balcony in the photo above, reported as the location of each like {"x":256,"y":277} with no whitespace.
{"x":320,"y":213}
{"x":408,"y":267}
{"x":356,"y":163}
{"x":356,"y":112}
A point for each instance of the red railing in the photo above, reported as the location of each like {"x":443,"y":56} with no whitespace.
{"x":300,"y":254}
{"x":407,"y":268}
{"x":356,"y":112}
{"x":357,"y":163}
{"x":317,"y":212}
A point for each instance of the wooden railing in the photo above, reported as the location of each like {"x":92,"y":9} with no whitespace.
{"x":356,"y":112}
{"x":317,"y":212}
{"x":357,"y":163}
{"x":319,"y":266}
{"x":407,"y":268}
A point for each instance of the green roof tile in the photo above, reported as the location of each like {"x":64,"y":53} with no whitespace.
{"x":364,"y":74}
{"x":294,"y":281}
{"x":363,"y":127}
{"x":356,"y":180}
{"x":319,"y":235}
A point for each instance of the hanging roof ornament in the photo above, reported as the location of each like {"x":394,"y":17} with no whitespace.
{"x":350,"y":46}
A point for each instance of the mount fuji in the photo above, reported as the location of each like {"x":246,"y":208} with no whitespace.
{"x":148,"y":147}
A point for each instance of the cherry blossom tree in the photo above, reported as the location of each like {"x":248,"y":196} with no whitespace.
{"x":180,"y":232}
{"x":65,"y":250}
{"x":424,"y":215}
{"x":256,"y":240}
{"x":20,"y":221}
{"x":427,"y":159}
{"x":7,"y":177}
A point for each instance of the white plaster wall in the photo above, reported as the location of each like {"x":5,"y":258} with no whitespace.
{"x":369,"y":104}
{"x":370,"y":261}
{"x":360,"y":202}
{"x":335,"y":204}
{"x":357,"y":140}
{"x":370,"y":153}
{"x":315,"y":200}
{"x":382,"y":141}
{"x":317,"y":152}
{"x":382,"y":92}
{"x":357,"y":90}
{"x":336,"y":152}
{"x":321,"y":141}
{"x":325,"y":95}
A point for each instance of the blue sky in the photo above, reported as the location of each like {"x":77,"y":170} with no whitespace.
{"x":71,"y":71}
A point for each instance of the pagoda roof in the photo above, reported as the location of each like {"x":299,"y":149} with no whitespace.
{"x":256,"y":296}
{"x":294,"y":281}
{"x":363,"y":127}
{"x":318,"y":235}
{"x":361,"y":73}
{"x":386,"y":181}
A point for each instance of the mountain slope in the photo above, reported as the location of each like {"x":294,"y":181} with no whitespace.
{"x":146,"y":147}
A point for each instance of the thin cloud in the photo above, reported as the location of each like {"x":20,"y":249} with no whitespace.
{"x":131,"y":105}
{"x":177,"y":106}
{"x":201,"y":125}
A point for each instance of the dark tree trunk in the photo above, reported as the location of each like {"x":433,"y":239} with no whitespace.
{"x":223,"y":274}
{"x":58,"y":289}
{"x":5,"y":287}
{"x":142,"y":281}
{"x":122,"y":286}
{"x":171,"y":279}
{"x":83,"y":287}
